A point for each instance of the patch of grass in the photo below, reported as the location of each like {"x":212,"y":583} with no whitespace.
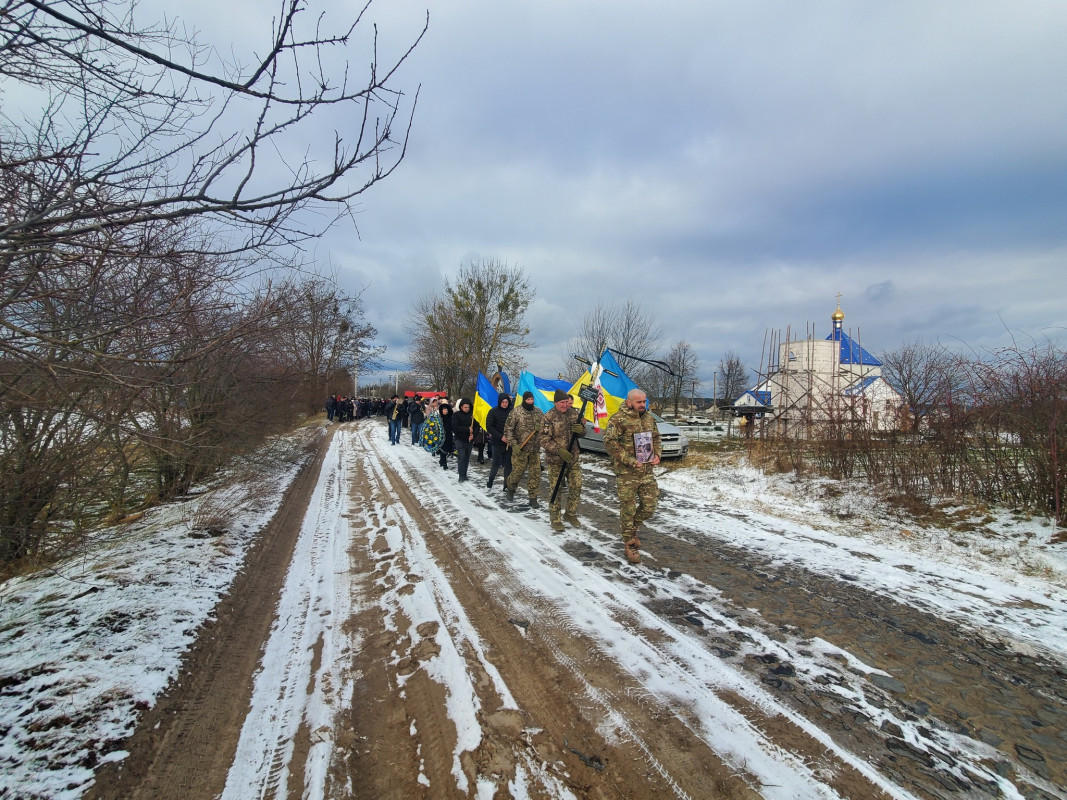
{"x":703,"y":455}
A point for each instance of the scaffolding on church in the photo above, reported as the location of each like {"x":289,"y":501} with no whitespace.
{"x":807,"y":387}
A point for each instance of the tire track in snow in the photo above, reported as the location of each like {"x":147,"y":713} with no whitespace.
{"x":529,"y":563}
{"x":298,"y":684}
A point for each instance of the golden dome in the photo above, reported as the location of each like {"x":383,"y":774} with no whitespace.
{"x":839,"y":315}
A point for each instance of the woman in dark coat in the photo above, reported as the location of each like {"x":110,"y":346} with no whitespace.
{"x":448,"y":443}
{"x":463,"y":427}
{"x":494,"y":430}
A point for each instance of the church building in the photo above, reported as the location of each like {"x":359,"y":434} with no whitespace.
{"x":815,"y":382}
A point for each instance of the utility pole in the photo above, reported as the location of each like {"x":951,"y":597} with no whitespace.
{"x":355,"y":378}
{"x":396,"y":382}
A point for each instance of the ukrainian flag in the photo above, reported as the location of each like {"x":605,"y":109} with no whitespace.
{"x":613,"y":391}
{"x":485,"y":398}
{"x":543,"y":389}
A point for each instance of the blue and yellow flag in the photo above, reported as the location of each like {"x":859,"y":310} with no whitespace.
{"x":612,"y":390}
{"x":543,"y":389}
{"x":485,"y":398}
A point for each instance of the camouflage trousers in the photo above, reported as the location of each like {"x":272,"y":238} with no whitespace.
{"x":572,"y":486}
{"x":638,"y":494}
{"x":528,"y":462}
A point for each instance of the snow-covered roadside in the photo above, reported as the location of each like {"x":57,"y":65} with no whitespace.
{"x":1006,"y":578}
{"x":86,"y":646}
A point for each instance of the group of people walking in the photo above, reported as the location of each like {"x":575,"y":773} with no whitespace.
{"x":347,"y":409}
{"x":438,"y":427}
{"x":517,"y":437}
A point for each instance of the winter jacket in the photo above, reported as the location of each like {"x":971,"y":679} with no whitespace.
{"x":495,"y":419}
{"x":520,"y":424}
{"x":556,"y":434}
{"x":463,"y":421}
{"x":416,"y":414}
{"x":619,"y":438}
{"x":449,"y":443}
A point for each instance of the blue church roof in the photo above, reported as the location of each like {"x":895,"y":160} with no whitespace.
{"x":852,"y":353}
{"x":860,"y":386}
{"x":761,"y":398}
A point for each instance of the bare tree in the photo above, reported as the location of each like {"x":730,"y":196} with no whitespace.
{"x":925,"y":374}
{"x":144,"y":123}
{"x":471,"y":325}
{"x":432,"y":328}
{"x":733,"y":376}
{"x":1017,"y":437}
{"x":84,"y":347}
{"x":141,"y":178}
{"x":684,"y":365}
{"x":628,"y":329}
{"x":321,"y":331}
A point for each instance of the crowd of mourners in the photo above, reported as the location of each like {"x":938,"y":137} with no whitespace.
{"x":514,"y":440}
{"x":347,"y":409}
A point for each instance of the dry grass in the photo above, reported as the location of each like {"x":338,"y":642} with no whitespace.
{"x":703,"y":455}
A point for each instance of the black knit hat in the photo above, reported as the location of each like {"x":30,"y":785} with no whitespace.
{"x":527,"y":395}
{"x":560,"y":395}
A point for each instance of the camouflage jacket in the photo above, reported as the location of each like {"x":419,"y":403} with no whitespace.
{"x":556,"y":433}
{"x":619,"y":437}
{"x":521,"y":423}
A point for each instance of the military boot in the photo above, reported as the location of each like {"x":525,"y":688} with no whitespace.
{"x":509,"y":494}
{"x":534,"y":502}
{"x":557,"y":523}
{"x":633,"y":554}
{"x":572,"y":519}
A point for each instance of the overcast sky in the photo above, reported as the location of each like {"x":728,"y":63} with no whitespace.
{"x":732,"y":166}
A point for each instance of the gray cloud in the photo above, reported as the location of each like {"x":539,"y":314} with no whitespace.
{"x":732,"y":167}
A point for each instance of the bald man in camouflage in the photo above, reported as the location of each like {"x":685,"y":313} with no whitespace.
{"x":633,"y":444}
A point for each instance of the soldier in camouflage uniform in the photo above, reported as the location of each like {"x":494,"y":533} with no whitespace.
{"x":633,"y":443}
{"x":560,"y":425}
{"x":522,"y":433}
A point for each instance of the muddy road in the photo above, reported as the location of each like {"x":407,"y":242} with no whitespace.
{"x":429,"y":640}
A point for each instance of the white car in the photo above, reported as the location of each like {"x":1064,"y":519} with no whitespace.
{"x":672,"y":441}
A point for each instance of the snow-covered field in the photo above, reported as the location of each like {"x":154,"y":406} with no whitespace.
{"x":86,"y":645}
{"x":1007,"y":575}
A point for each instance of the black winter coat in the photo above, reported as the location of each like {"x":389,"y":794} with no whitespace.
{"x":416,"y":415}
{"x":448,"y":444}
{"x":495,"y":419}
{"x":463,"y":422}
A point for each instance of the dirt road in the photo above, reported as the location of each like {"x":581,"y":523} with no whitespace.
{"x":398,"y":635}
